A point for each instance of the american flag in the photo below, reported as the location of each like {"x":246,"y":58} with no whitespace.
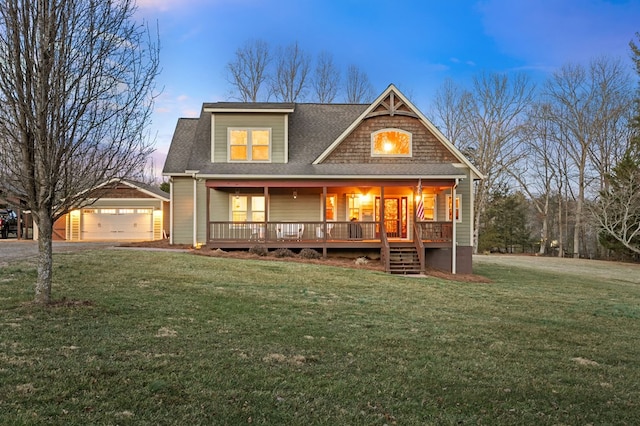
{"x":420,"y":207}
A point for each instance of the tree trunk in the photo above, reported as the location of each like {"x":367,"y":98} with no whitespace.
{"x":45,"y":260}
{"x":560,"y":227}
{"x":545,"y":233}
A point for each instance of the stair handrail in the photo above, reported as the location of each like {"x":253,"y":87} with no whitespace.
{"x":417,"y":241}
{"x":386,"y":248}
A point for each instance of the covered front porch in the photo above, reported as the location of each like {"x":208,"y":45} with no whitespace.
{"x":326,"y":215}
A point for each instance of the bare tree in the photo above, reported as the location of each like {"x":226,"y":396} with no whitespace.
{"x":357,"y":86}
{"x":76,"y":87}
{"x":617,"y":209}
{"x":536,"y":172}
{"x":248,"y":71}
{"x":449,"y":105}
{"x":326,"y":79}
{"x":292,"y":68}
{"x":589,"y":107}
{"x":487,"y":122}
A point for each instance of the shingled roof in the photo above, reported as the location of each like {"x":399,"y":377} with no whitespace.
{"x":313,"y":128}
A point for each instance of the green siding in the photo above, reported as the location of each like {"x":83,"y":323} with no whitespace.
{"x":182,"y":210}
{"x":201,"y":212}
{"x":276,"y":122}
{"x":219,"y":206}
{"x":463,"y":229}
{"x":307,"y":207}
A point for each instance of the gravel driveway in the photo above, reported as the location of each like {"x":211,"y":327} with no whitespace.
{"x":627,"y":272}
{"x":12,"y":250}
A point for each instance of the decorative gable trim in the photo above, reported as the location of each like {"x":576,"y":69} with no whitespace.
{"x":392,"y":105}
{"x":392,"y":102}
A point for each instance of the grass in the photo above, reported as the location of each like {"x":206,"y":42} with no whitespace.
{"x":168,"y":338}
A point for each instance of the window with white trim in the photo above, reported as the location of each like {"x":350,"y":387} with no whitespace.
{"x":249,"y":144}
{"x":458,"y":209}
{"x":391,"y":143}
{"x":353,"y":207}
{"x":331,"y":207}
{"x":247,"y":208}
{"x":428,"y":207}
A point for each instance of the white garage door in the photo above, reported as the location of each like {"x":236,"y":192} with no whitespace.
{"x":117,"y":224}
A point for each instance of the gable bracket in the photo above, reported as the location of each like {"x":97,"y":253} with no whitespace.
{"x":392,"y":107}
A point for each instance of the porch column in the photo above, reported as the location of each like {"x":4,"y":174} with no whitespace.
{"x":208,"y":227}
{"x":454,"y":243}
{"x":266,"y":214}
{"x":324,"y":220}
{"x":381,"y":224}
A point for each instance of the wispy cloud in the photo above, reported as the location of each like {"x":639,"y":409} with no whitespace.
{"x":459,"y":61}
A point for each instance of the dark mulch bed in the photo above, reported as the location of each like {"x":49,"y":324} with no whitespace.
{"x":343,"y":262}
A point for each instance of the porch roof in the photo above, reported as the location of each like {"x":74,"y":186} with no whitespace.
{"x":331,"y":171}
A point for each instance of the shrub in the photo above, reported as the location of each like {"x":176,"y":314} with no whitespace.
{"x":308,"y":253}
{"x":259,"y":250}
{"x":283,"y":252}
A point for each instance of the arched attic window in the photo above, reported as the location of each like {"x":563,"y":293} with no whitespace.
{"x":391,"y":143}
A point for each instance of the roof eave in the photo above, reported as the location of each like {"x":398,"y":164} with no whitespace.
{"x":251,"y":110}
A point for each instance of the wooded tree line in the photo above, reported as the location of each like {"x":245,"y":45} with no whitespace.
{"x":259,"y":73}
{"x":563,"y":155}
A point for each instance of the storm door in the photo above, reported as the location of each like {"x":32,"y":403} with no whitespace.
{"x":395,"y":216}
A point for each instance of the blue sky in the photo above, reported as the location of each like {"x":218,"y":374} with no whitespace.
{"x":414,"y":44}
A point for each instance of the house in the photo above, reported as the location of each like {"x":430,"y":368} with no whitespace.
{"x":378,"y":178}
{"x":118,"y":210}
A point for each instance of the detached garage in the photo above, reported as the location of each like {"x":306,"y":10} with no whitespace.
{"x":126,"y":210}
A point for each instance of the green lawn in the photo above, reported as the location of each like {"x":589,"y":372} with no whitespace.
{"x":170,"y":338}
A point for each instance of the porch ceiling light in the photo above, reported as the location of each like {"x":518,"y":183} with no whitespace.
{"x":295,"y":194}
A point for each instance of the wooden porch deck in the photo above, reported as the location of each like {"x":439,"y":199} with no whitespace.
{"x":323,"y":235}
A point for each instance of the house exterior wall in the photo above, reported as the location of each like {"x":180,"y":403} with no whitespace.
{"x":201,"y":213}
{"x":182,"y":210}
{"x":356,"y":148}
{"x":306,"y":207}
{"x":464,"y":233}
{"x":276,"y":122}
{"x":219,"y":205}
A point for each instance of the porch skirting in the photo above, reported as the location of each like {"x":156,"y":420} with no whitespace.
{"x":441,"y":259}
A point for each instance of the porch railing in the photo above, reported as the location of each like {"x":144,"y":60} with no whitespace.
{"x":320,"y":231}
{"x":293,"y":231}
{"x":435,"y":231}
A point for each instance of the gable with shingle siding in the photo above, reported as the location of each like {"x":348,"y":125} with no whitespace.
{"x":356,"y":148}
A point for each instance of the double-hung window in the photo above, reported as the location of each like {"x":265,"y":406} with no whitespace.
{"x":249,"y":144}
{"x":247,"y":208}
{"x":429,"y":207}
{"x":450,"y":209}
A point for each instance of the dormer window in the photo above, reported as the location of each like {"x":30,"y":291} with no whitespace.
{"x":391,"y":143}
{"x":249,"y":144}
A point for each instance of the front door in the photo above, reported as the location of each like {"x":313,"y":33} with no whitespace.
{"x":395,"y":216}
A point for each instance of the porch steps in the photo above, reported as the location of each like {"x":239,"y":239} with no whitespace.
{"x":404,"y":260}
